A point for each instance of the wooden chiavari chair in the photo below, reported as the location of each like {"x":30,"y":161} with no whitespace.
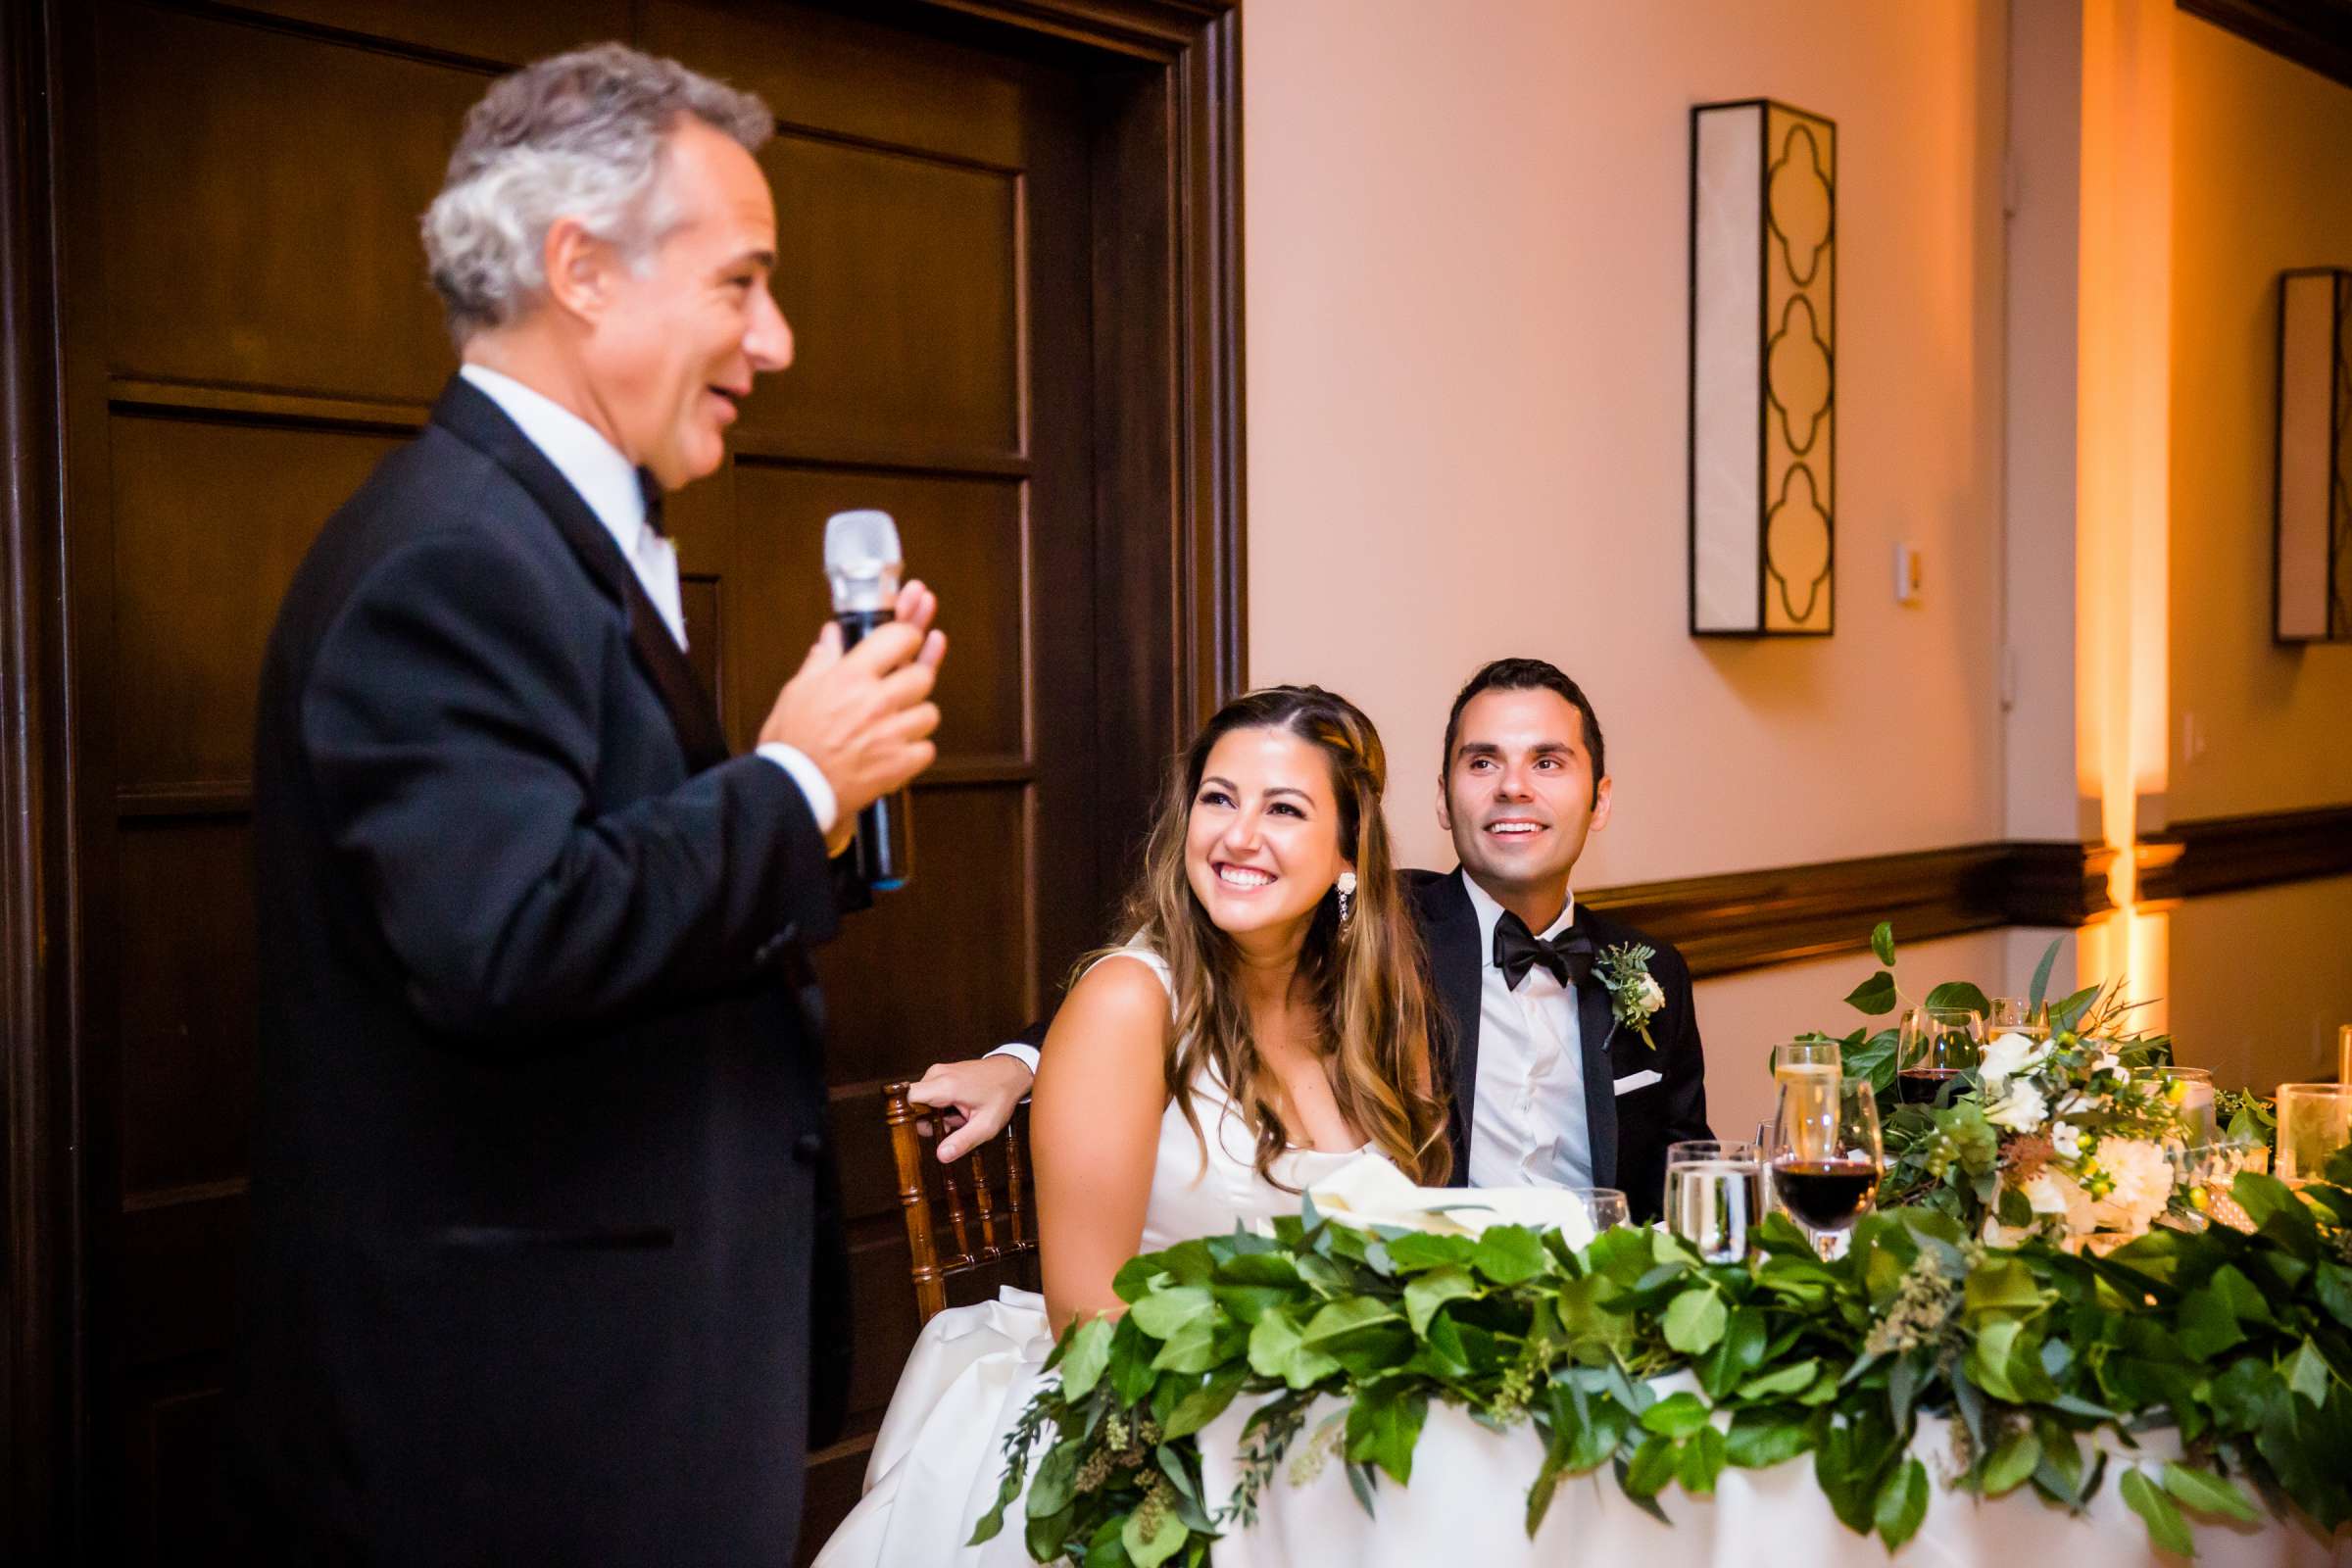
{"x":987,"y":1220}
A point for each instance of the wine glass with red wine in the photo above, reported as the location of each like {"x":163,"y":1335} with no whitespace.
{"x":1936,"y":1046}
{"x":1826,"y":1156}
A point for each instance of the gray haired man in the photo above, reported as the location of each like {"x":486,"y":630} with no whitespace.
{"x":543,"y":1222}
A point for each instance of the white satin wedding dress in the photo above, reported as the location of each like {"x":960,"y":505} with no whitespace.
{"x":939,"y":1452}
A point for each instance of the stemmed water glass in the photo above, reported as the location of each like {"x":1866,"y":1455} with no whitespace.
{"x":1825,"y":1154}
{"x":1936,"y":1046}
{"x":1605,"y":1205}
{"x":1713,"y":1196}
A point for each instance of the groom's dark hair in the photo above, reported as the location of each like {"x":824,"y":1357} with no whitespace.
{"x":1526,"y":675}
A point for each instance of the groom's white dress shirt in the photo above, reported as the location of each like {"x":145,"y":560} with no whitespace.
{"x":607,"y":482}
{"x":1527,"y":1118}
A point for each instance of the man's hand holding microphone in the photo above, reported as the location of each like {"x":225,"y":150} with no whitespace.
{"x":865,"y":716}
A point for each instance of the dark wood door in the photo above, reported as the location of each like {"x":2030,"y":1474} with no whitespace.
{"x":247,"y":332}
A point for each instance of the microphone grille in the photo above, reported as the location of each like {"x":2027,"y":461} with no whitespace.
{"x":861,"y":544}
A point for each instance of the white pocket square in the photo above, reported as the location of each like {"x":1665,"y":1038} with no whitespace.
{"x":1637,"y":1080}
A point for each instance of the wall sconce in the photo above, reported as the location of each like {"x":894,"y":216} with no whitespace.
{"x":2311,"y":511}
{"x":1763,"y":370}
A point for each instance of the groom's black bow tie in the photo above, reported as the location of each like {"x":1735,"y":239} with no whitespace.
{"x":1517,"y":949}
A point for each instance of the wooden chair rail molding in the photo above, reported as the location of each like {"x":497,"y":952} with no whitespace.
{"x":1754,"y":919}
{"x":2232,"y":854}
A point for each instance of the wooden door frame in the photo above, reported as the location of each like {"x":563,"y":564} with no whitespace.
{"x":1165,"y":78}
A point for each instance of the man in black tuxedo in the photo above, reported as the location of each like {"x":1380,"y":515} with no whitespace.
{"x":543,"y":1213}
{"x":1549,"y":1085}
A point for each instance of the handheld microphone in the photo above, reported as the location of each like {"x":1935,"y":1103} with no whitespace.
{"x":863,"y":563}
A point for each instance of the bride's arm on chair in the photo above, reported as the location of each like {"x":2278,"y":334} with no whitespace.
{"x":1093,"y":1133}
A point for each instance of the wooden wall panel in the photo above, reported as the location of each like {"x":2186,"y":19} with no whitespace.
{"x":967,"y":537}
{"x":506,"y":33}
{"x":261,"y":192}
{"x":211,"y":519}
{"x":938,"y":243}
{"x":937,"y":968}
{"x":188,"y":1001}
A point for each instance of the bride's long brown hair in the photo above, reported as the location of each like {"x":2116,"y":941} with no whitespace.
{"x":1366,"y":980}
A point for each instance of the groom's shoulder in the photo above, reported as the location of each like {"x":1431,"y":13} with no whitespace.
{"x":1666,"y":959}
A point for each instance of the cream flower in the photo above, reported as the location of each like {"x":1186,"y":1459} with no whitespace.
{"x":2022,"y":1110}
{"x":2010,"y":1054}
{"x":2053,"y":1192}
{"x":2066,"y":1137}
{"x":1653,"y":995}
{"x":2143,"y":1182}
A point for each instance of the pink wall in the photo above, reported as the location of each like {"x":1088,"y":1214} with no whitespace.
{"x":1468,"y":317}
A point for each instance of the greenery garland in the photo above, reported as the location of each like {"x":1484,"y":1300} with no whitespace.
{"x":2242,"y":1341}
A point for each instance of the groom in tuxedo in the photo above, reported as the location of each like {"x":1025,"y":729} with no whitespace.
{"x":543,"y":1214}
{"x":1551,"y":1084}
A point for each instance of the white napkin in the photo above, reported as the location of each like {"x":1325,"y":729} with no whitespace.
{"x":1369,"y":1192}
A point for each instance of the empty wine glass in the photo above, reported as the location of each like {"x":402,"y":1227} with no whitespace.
{"x":1605,"y":1204}
{"x":1936,"y":1046}
{"x":2008,"y":1013}
{"x":1826,"y":1156}
{"x":1712,"y":1197}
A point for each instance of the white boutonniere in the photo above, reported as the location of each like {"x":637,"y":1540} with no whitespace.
{"x":1634,"y":994}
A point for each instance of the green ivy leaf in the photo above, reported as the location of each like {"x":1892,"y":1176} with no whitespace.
{"x":1702,"y":1459}
{"x":2016,"y":1459}
{"x":1881,"y":943}
{"x":1057,"y":1474}
{"x":1207,"y":1403}
{"x":2333,"y":1284}
{"x":1190,"y":1348}
{"x":1874,"y":996}
{"x":1902,"y":1503}
{"x":1794,"y":1378}
{"x":1383,"y":1424}
{"x":1653,"y":1465}
{"x":1149,"y":1551}
{"x":1418,"y":1250}
{"x":1678,"y":1415}
{"x":2208,"y":1493}
{"x":2001,"y":1284}
{"x":2166,"y":1528}
{"x":1426,"y":1293}
{"x":1960,"y":994}
{"x":2307,"y":1374}
{"x":1763,"y":1436}
{"x":1696,"y":1320}
{"x":1084,"y":1353}
{"x":1277,"y":1349}
{"x":1508,"y":1254}
{"x":1163,"y":1312}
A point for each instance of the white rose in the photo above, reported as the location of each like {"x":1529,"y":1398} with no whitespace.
{"x":2053,"y":1192}
{"x":2143,"y":1182}
{"x":2022,"y":1110}
{"x":1653,"y":995}
{"x":2010,"y":1054}
{"x":2067,"y":1139}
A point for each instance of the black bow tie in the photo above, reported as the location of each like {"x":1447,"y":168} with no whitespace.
{"x":651,"y":488}
{"x":1517,"y":949}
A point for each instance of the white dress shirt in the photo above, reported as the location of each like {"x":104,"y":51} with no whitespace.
{"x":607,"y":482}
{"x":1527,"y":1119}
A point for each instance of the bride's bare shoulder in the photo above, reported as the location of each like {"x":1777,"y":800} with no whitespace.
{"x":1119,"y":1005}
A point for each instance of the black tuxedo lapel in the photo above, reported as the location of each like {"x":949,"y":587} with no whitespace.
{"x":475,"y":419}
{"x":1449,"y":924}
{"x":1596,"y":1023}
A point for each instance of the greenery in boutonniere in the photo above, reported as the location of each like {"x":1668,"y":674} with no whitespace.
{"x":2048,"y":1363}
{"x":1634,"y":994}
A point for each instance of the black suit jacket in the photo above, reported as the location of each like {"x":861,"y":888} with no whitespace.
{"x":1629,"y":1129}
{"x":542,"y":1208}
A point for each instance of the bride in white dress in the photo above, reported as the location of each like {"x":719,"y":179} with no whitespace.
{"x":1266,"y":1024}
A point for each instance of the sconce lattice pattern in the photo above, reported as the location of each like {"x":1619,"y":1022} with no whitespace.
{"x":1763,"y":370}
